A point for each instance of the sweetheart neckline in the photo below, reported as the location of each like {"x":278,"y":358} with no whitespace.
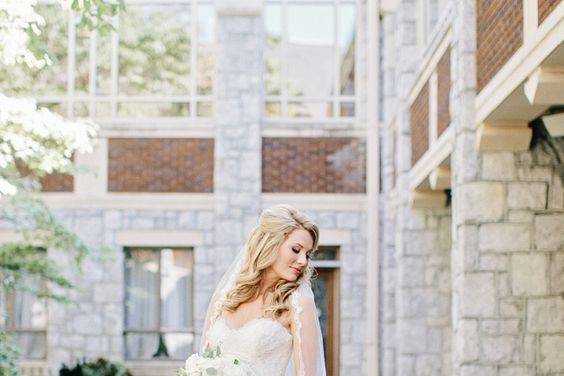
{"x":255,"y":320}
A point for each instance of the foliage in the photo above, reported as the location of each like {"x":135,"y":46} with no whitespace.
{"x":99,"y":367}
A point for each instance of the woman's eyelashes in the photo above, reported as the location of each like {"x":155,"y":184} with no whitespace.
{"x":308,"y":255}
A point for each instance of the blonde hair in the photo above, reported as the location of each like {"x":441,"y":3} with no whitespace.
{"x":275,"y":225}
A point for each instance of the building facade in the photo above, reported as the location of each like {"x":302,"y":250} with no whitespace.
{"x":471,"y":200}
{"x":209,"y":112}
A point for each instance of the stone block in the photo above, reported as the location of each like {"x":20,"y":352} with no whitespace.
{"x":107,"y":293}
{"x":556,"y":193}
{"x":552,"y":353}
{"x":504,"y":237}
{"x":498,"y":166}
{"x":500,"y":327}
{"x":545,"y":315}
{"x":411,"y":271}
{"x":493,"y":262}
{"x":478,"y":295}
{"x":511,"y":307}
{"x":412,"y":336}
{"x":534,"y":173}
{"x":528,"y":274}
{"x":557,"y":273}
{"x":428,"y":365}
{"x":480,"y":202}
{"x":499,"y":349}
{"x":527,"y":195}
{"x":515,"y":371}
{"x":549,"y":232}
{"x":469,"y":370}
{"x":466,"y":346}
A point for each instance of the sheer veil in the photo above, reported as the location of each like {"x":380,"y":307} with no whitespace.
{"x":307,"y":337}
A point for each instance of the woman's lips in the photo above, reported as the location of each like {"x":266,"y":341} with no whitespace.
{"x":297,"y":271}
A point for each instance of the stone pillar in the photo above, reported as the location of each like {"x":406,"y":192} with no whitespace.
{"x":238,"y":108}
{"x":422,"y":285}
{"x":508,"y":252}
{"x":386,"y":206}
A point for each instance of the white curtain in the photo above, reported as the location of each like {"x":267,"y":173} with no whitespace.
{"x":141,"y":306}
{"x":29,"y":314}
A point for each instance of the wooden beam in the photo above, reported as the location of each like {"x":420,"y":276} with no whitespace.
{"x":426,"y":199}
{"x":503,"y":136}
{"x":439,"y":178}
{"x":545,"y":86}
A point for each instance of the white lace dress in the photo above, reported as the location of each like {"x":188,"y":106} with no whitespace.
{"x":262,"y":343}
{"x":266,"y":346}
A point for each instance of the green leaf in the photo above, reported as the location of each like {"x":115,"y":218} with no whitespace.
{"x":211,"y":371}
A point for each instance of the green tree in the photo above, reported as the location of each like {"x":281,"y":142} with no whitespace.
{"x":35,"y":142}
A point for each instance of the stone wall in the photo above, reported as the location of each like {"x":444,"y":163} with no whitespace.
{"x":94,"y":326}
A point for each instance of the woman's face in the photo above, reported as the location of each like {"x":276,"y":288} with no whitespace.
{"x":293,"y":255}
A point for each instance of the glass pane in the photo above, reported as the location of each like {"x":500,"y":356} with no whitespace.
{"x":102,"y":109}
{"x":272,"y":109}
{"x":138,"y":110}
{"x":154,"y":50}
{"x":310,"y":109}
{"x":320,"y":286}
{"x":347,"y":109}
{"x":82,"y":70}
{"x":31,"y":345}
{"x":347,"y":25}
{"x":141,"y":346}
{"x":273,"y":24}
{"x":310,"y":52}
{"x":80,"y":109}
{"x":204,"y":109}
{"x":51,"y":80}
{"x":179,"y":345}
{"x":176,"y":289}
{"x":141,"y":289}
{"x":326,"y":253}
{"x":206,"y":57}
{"x":29,"y":311}
{"x":58,"y":108}
{"x":103,"y":64}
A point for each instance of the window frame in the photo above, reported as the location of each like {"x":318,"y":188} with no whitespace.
{"x":160,"y":331}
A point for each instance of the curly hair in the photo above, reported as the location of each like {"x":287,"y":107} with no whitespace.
{"x":274,"y":226}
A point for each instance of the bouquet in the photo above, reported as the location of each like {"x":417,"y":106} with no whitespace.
{"x":213,"y":363}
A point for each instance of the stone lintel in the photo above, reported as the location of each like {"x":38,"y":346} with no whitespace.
{"x":545,"y":86}
{"x":439,"y":178}
{"x":427,"y":199}
{"x":503,"y":136}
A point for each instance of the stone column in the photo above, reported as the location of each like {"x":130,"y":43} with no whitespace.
{"x":508,"y":253}
{"x":422,"y":285}
{"x":238,"y":108}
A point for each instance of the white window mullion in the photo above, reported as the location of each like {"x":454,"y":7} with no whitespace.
{"x":71,"y":63}
{"x":283,"y":60}
{"x":92,"y":78}
{"x":115,"y":66}
{"x":357,"y":61}
{"x":193,"y":57}
{"x":337,"y":62}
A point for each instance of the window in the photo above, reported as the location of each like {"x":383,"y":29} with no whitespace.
{"x":310,"y":59}
{"x":325,"y":289}
{"x":159,"y":63}
{"x":24,"y":316}
{"x":158,"y":303}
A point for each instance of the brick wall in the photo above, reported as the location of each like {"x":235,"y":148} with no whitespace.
{"x":160,"y":165}
{"x":443,"y":92}
{"x":419,"y":112}
{"x":57,"y":183}
{"x":321,"y":165}
{"x":546,"y":7}
{"x":499,"y":33}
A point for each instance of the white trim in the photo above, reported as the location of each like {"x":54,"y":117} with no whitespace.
{"x":159,"y":238}
{"x":433,"y":107}
{"x":523,"y":62}
{"x":153,"y":201}
{"x":530,"y":19}
{"x":432,"y":159}
{"x":428,"y":66}
{"x":322,"y":264}
{"x":314,"y":132}
{"x":545,"y":86}
{"x":317,"y":201}
{"x":334,"y":237}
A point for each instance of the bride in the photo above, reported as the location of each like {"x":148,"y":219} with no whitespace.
{"x":262,"y":310}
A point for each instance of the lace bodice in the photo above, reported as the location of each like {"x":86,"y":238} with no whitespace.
{"x":262,"y":343}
